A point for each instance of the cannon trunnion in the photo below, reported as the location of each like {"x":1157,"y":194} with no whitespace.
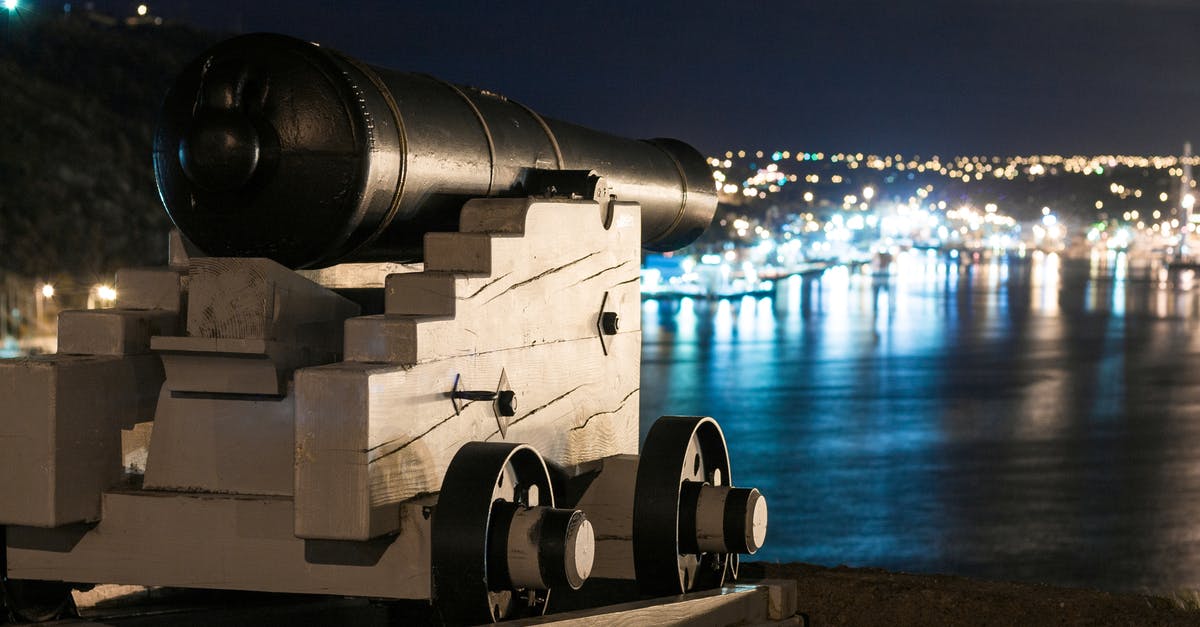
{"x":237,"y":424}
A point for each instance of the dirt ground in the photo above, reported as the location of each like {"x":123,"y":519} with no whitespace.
{"x":827,"y":597}
{"x":868,"y":596}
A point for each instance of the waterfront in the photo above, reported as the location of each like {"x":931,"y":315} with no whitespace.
{"x":1032,"y":419}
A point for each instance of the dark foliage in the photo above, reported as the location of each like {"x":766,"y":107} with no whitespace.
{"x":78,"y":104}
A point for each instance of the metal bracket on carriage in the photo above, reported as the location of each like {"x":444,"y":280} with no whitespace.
{"x":504,"y":400}
{"x":607,"y":323}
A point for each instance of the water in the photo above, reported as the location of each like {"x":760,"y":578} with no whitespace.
{"x":1031,"y":419}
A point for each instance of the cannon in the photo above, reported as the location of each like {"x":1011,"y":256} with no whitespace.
{"x":465,"y":438}
{"x":272,"y":147}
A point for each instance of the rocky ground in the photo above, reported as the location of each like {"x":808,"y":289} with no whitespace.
{"x":827,"y":597}
{"x":868,"y":596}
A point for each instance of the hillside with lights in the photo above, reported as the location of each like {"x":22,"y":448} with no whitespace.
{"x":1043,"y":201}
{"x":784,"y":213}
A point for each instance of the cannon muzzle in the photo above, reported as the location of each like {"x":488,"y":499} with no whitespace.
{"x":270,"y":146}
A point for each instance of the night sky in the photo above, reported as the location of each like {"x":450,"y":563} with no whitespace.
{"x":964,"y":77}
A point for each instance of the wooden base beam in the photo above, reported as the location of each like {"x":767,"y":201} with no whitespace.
{"x":223,"y":542}
{"x":769,"y":602}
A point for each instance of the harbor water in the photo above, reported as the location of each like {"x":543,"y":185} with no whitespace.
{"x":1028,"y":418}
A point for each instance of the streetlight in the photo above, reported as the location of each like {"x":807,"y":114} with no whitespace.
{"x":103,"y":293}
{"x":8,"y":15}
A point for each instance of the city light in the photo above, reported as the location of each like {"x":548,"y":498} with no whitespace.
{"x":47,"y":291}
{"x":868,"y":205}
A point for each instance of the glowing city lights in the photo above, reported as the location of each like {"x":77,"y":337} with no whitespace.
{"x":848,"y":204}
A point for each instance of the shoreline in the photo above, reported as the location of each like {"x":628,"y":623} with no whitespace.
{"x":871,"y":596}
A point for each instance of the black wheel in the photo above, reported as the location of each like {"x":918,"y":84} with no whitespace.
{"x":680,"y":452}
{"x":689,"y":522}
{"x":498,"y":543}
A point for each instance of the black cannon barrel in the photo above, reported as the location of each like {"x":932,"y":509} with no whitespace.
{"x":275,"y":147}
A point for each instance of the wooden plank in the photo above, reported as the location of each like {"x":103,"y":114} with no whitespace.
{"x":112,"y":331}
{"x":332,"y":501}
{"x":545,"y":286}
{"x":217,"y":373}
{"x":420,"y":294}
{"x":607,"y":500}
{"x":381,"y":339}
{"x":260,"y":299}
{"x":782,"y":601}
{"x":229,"y":346}
{"x":358,"y":275}
{"x":499,"y":216}
{"x":232,"y":365}
{"x":458,"y":252}
{"x":61,"y":418}
{"x":574,"y":405}
{"x":150,"y":288}
{"x":583,"y":410}
{"x":223,"y":542}
{"x":222,"y":444}
{"x":731,"y":605}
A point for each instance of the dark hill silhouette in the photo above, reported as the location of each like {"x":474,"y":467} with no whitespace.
{"x":78,"y":104}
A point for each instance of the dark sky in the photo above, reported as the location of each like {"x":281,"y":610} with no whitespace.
{"x":964,"y":77}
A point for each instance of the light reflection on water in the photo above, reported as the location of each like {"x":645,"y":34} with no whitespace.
{"x":1034,"y":419}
